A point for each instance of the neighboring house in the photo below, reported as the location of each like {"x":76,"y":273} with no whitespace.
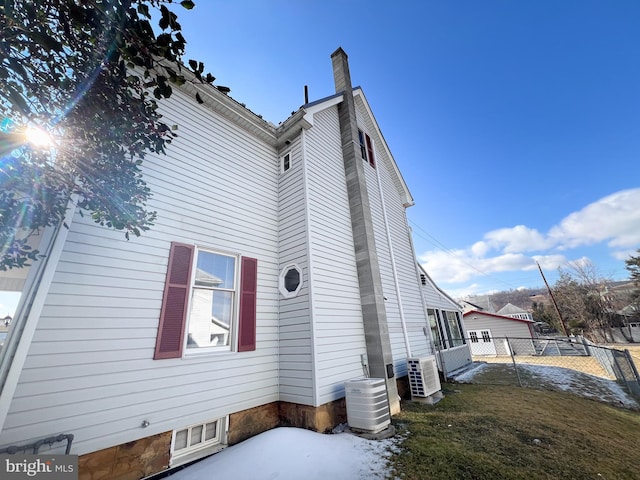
{"x":510,"y":310}
{"x":467,"y":305}
{"x":478,"y":302}
{"x":447,"y":326}
{"x":487,"y":334}
{"x":280,"y":266}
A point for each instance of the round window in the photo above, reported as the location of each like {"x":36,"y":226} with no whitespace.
{"x":290,"y":280}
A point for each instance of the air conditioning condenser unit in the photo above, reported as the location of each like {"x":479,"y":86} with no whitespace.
{"x":423,"y":376}
{"x":367,"y":404}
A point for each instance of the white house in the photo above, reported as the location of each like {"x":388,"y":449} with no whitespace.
{"x":487,"y":334}
{"x":280,"y":266}
{"x":510,"y":310}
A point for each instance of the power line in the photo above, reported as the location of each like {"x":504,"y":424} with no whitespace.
{"x":438,"y":244}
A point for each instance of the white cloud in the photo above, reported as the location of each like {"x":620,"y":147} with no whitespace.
{"x":451,"y":267}
{"x":517,"y":239}
{"x":461,"y":265}
{"x":549,"y":262}
{"x":624,"y":254}
{"x":614,"y":219}
{"x":480,"y":249}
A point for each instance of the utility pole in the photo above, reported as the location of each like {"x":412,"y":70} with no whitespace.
{"x":553,"y":299}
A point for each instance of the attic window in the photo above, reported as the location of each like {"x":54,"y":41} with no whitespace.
{"x":285,"y":162}
{"x":372,"y":158}
{"x":363,"y":148}
{"x":366,"y":148}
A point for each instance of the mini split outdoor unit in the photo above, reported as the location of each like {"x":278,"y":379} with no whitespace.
{"x":367,"y":404}
{"x":423,"y":376}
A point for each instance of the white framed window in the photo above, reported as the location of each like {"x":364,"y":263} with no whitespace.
{"x":446,"y":328}
{"x":290,"y":281}
{"x":452,"y":326}
{"x":196,"y":441}
{"x":213,"y":303}
{"x":209,"y":302}
{"x":285,"y":162}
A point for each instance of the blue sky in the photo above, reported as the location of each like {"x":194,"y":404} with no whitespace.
{"x":516,"y":124}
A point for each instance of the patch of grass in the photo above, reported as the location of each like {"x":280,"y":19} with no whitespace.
{"x":495,"y":432}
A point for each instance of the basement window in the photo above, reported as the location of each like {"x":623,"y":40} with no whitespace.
{"x":196,"y":441}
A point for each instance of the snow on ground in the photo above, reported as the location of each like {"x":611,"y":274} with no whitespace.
{"x":468,"y":374}
{"x":292,"y":454}
{"x":554,"y":378}
{"x":582,"y":384}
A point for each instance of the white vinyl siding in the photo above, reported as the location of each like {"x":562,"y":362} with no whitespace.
{"x":403,"y":256}
{"x":337,"y":312}
{"x":90,"y":369}
{"x":499,"y":327}
{"x":296,"y":361}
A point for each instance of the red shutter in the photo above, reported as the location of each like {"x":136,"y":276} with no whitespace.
{"x":248,"y":288}
{"x":174,"y":302}
{"x":370,"y":151}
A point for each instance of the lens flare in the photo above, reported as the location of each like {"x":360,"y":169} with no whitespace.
{"x":38,"y":137}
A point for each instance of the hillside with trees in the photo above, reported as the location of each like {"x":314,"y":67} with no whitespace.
{"x":588,"y":303}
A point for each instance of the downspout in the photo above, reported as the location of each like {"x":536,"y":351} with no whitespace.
{"x":394,"y":270}
{"x":29,"y":309}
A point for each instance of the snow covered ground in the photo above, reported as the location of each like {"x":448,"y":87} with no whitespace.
{"x":557,"y":378}
{"x":296,"y":454}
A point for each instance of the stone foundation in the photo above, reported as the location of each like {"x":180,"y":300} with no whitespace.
{"x":149,"y":456}
{"x":248,"y":423}
{"x":129,"y":461}
{"x":320,"y":419}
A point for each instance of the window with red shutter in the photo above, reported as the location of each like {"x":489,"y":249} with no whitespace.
{"x":174,"y":302}
{"x":372,"y":160}
{"x":363,"y":147}
{"x":199,"y":302}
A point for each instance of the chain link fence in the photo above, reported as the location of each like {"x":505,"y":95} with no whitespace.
{"x":555,"y":363}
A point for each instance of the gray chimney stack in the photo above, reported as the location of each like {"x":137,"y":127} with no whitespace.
{"x":374,"y":315}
